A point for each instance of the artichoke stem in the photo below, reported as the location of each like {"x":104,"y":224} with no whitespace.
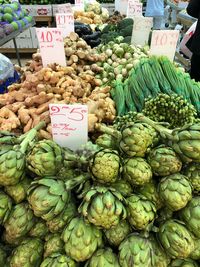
{"x":70,"y":184}
{"x":105,"y":129}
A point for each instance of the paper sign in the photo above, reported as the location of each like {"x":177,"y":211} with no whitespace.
{"x":164,"y":42}
{"x":69,"y":124}
{"x":51,"y":46}
{"x":122,"y":5}
{"x":134,"y":9}
{"x":141,"y":30}
{"x":65,"y":22}
{"x":79,"y":5}
{"x":64,"y":8}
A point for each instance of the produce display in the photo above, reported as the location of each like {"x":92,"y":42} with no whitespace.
{"x":12,"y":18}
{"x":115,"y":18}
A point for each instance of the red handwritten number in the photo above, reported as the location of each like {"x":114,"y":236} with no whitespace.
{"x":55,"y":111}
{"x":48,"y":38}
{"x":163,"y":40}
{"x":76,"y":112}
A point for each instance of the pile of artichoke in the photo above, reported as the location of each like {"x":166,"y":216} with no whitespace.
{"x":131,"y":199}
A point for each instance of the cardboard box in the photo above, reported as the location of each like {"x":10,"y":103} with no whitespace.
{"x":24,"y":43}
{"x":9,"y":44}
{"x":30,"y":9}
{"x":25,"y":34}
{"x":42,"y":10}
{"x":34,"y":38}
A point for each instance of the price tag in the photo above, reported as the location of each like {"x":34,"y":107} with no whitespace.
{"x":79,"y":5}
{"x":51,"y":46}
{"x":141,"y":30}
{"x":64,"y":8}
{"x":66,"y":23}
{"x":134,"y":9}
{"x":122,"y":5}
{"x":164,"y":42}
{"x":69,"y":124}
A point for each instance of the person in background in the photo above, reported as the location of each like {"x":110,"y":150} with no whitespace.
{"x":155,"y":9}
{"x":193,"y":9}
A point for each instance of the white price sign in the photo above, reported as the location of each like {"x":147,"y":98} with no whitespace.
{"x":164,"y":42}
{"x":65,"y":22}
{"x":51,"y":46}
{"x":134,"y":9}
{"x":64,"y":8}
{"x":141,"y":30}
{"x":79,"y":5}
{"x":69,"y":124}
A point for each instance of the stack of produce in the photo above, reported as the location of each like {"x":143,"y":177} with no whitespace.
{"x":131,"y":199}
{"x":115,"y":18}
{"x":27,"y":103}
{"x":150,"y":77}
{"x":12,"y":18}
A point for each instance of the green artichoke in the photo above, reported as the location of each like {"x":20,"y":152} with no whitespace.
{"x":175,"y":191}
{"x":48,"y":197}
{"x":191,"y":216}
{"x":28,"y":253}
{"x":81,"y":239}
{"x":164,"y":161}
{"x":103,"y":258}
{"x":45,"y":158}
{"x":13,"y":159}
{"x":3,"y":257}
{"x":53,"y":244}
{"x":192,"y":171}
{"x":195,"y":255}
{"x":141,"y":211}
{"x":150,"y":192}
{"x":183,"y":263}
{"x":103,"y":207}
{"x":5,"y":207}
{"x":137,"y":171}
{"x":117,"y":234}
{"x":58,"y":260}
{"x":39,"y":230}
{"x":176,"y":239}
{"x":123,"y":187}
{"x":159,"y":257}
{"x":58,"y":223}
{"x":106,"y":141}
{"x":18,"y":192}
{"x":19,"y":222}
{"x":105,"y":166}
{"x":135,"y":251}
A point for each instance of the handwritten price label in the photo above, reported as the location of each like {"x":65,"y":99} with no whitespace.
{"x":164,"y":42}
{"x":51,"y":46}
{"x":65,"y":22}
{"x":63,"y":8}
{"x":134,"y":9}
{"x":141,"y":30}
{"x":79,"y":5}
{"x":69,"y":124}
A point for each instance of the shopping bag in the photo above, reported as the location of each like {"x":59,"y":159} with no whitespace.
{"x":188,"y":35}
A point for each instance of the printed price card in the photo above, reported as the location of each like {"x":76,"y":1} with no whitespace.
{"x":66,"y":23}
{"x":134,"y":9}
{"x":51,"y":46}
{"x":64,"y":8}
{"x":164,"y":42}
{"x":141,"y":30}
{"x":69,"y":124}
{"x":79,"y":5}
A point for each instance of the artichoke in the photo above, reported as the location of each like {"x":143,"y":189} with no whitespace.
{"x":48,"y":197}
{"x":123,"y":187}
{"x":58,"y":260}
{"x":103,"y":207}
{"x":137,"y":171}
{"x":141,"y":211}
{"x":39,"y":230}
{"x":81,"y":239}
{"x":103,"y":258}
{"x":53,"y":244}
{"x":3,"y":257}
{"x":191,"y":216}
{"x":45,"y":158}
{"x":135,"y":251}
{"x":195,"y":255}
{"x":58,"y":223}
{"x":13,"y":159}
{"x":19,"y":222}
{"x":18,"y":192}
{"x":150,"y":192}
{"x":105,"y":166}
{"x":117,"y":234}
{"x":5,"y":207}
{"x":106,"y":141}
{"x":164,"y":161}
{"x":176,"y":239}
{"x":192,"y":171}
{"x":28,"y":253}
{"x":183,"y":263}
{"x":175,"y":191}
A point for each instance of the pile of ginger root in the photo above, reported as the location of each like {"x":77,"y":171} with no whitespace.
{"x":27,"y":103}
